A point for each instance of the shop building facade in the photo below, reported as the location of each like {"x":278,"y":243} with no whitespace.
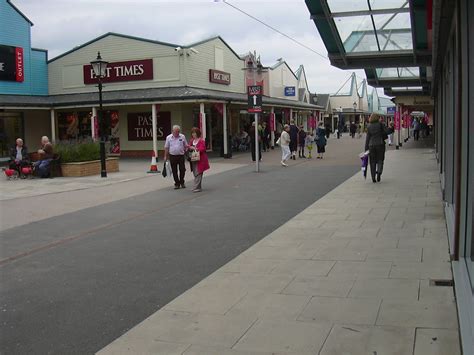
{"x":23,"y":71}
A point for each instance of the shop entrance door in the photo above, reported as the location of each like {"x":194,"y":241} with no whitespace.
{"x":11,"y":127}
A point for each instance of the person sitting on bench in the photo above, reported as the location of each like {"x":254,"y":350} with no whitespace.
{"x":19,"y":156}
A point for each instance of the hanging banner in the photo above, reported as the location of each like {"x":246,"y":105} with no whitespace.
{"x":11,"y":64}
{"x":114,"y":133}
{"x":396,"y":120}
{"x":219,"y":108}
{"x":272,"y":122}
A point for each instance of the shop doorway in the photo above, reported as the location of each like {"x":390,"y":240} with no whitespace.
{"x":12,"y":126}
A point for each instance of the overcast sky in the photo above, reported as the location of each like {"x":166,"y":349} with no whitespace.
{"x":60,"y":25}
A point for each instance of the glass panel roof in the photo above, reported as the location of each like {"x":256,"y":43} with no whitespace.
{"x":406,"y":88}
{"x":407,"y":72}
{"x":373,"y":32}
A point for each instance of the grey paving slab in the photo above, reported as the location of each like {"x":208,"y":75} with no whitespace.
{"x":395,"y":254}
{"x":124,"y":347}
{"x":338,"y":253}
{"x":189,"y":328}
{"x":435,"y":294}
{"x":341,"y":310}
{"x":364,"y":340}
{"x":250,"y":265}
{"x":322,"y":286}
{"x":417,"y":314}
{"x":425,"y":270}
{"x":215,"y":350}
{"x":286,"y":336}
{"x":400,"y":289}
{"x":304,"y":268}
{"x":353,"y":270}
{"x":270,"y":306}
{"x":437,"y":342}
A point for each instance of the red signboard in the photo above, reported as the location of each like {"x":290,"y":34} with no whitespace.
{"x":219,"y":77}
{"x":140,"y":126}
{"x":20,"y":73}
{"x":133,"y":70}
{"x":12,"y":64}
{"x":396,"y":120}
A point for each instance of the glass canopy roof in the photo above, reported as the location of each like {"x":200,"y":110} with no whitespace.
{"x":402,"y":73}
{"x":384,"y":25}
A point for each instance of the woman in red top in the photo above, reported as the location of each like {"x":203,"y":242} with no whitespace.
{"x":196,"y":143}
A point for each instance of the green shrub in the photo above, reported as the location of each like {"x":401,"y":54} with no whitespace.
{"x":72,"y":152}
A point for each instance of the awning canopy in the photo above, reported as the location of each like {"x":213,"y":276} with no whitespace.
{"x":169,"y":94}
{"x":387,"y":38}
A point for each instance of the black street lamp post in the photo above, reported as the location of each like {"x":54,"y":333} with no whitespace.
{"x":99,"y":66}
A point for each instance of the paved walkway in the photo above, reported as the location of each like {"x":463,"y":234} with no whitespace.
{"x":348,"y":275}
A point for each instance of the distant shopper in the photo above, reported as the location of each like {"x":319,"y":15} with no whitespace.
{"x":197,"y":144}
{"x":375,"y":144}
{"x":321,"y":140}
{"x":353,"y":129}
{"x":284,"y":143}
{"x":266,"y":136}
{"x":359,"y":131}
{"x":391,"y":130}
{"x":309,"y":143}
{"x":416,"y":129}
{"x":294,"y":139}
{"x":253,"y":143}
{"x":327,"y":127}
{"x":175,"y":148}
{"x":19,"y":156}
{"x":301,"y":142}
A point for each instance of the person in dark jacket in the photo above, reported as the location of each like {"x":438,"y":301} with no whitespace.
{"x":294,"y":139}
{"x":301,"y":142}
{"x":19,"y":156}
{"x":375,"y":144}
{"x":353,"y":129}
{"x":321,"y":140}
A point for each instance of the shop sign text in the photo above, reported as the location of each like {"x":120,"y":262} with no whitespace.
{"x":122,"y":71}
{"x":140,"y":126}
{"x":11,"y":64}
{"x":219,"y":77}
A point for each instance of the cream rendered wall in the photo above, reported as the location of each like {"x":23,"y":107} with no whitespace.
{"x":66,"y":75}
{"x":198,"y":65}
{"x":37,"y":124}
{"x":345,"y":101}
{"x":280,"y":77}
{"x":303,"y":84}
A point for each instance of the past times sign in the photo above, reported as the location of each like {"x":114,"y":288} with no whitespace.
{"x":133,"y":70}
{"x":219,"y":77}
{"x":11,"y":64}
{"x":140,"y":126}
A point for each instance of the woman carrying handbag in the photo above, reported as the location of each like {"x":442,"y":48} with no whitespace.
{"x":198,"y":157}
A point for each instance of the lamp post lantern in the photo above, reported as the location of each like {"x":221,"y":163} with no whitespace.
{"x":99,"y":66}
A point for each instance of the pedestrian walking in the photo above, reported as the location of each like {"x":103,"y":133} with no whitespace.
{"x":327,"y":127}
{"x":252,"y":143}
{"x":284,"y":142}
{"x":294,"y":139}
{"x":391,"y":130}
{"x":309,"y":143}
{"x":416,"y":129}
{"x":301,"y":142}
{"x":321,"y":140}
{"x":375,"y":144}
{"x":359,"y":131}
{"x":199,"y":160}
{"x":175,"y":148}
{"x":353,"y":129}
{"x":266,"y":136}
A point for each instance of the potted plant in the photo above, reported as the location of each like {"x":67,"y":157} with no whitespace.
{"x":82,"y":158}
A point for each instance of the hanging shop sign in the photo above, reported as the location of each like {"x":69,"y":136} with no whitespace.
{"x":290,"y":91}
{"x":391,"y":110}
{"x":254,"y":99}
{"x":219,"y":77}
{"x":133,"y":70}
{"x":11,"y":64}
{"x":140,"y":126}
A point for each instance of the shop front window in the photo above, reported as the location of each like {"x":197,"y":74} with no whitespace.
{"x":11,"y":128}
{"x":74,"y":125}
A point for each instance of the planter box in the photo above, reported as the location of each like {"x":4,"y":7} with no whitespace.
{"x":88,"y":168}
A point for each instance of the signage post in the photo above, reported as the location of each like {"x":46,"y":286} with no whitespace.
{"x":255,"y":106}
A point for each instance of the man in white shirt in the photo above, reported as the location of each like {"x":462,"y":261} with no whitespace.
{"x":175,"y":148}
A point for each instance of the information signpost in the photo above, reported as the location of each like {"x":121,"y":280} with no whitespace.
{"x":255,"y":106}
